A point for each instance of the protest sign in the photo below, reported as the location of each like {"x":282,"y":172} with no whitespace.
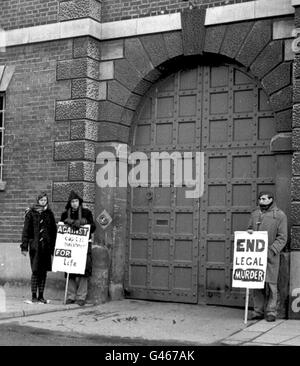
{"x":250,"y":259}
{"x":70,"y":249}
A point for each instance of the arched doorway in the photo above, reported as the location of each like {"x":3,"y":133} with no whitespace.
{"x":181,"y":249}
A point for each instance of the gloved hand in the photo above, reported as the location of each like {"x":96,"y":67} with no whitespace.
{"x":83,"y":221}
{"x":76,"y":224}
{"x":69,"y":222}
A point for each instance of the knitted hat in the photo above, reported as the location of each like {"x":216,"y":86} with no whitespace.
{"x":73,"y":196}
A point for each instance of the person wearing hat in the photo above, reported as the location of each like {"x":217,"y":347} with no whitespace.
{"x":75,"y":215}
{"x":268,"y":217}
{"x":38,"y":237}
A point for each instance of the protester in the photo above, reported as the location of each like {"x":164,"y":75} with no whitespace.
{"x":268,"y":217}
{"x":75,"y":215}
{"x":38,"y":236}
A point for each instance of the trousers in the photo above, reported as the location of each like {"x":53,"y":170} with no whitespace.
{"x":265,"y":299}
{"x":77,"y":288}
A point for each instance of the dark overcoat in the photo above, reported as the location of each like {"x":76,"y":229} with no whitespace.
{"x":85,"y":214}
{"x":274,"y":221}
{"x":38,"y":237}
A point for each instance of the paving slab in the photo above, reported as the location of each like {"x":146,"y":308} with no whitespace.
{"x":186,"y":323}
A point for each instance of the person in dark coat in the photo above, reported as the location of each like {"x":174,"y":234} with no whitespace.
{"x":268,"y":217}
{"x":38,"y":237}
{"x":75,"y":215}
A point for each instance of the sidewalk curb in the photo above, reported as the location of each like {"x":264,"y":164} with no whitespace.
{"x":24,"y":313}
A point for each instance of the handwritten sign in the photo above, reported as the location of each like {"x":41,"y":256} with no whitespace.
{"x":250,"y":259}
{"x":70,"y":249}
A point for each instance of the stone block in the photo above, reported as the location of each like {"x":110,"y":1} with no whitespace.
{"x":127,"y":117}
{"x":106,"y":70}
{"x":277,"y":78}
{"x":295,"y":189}
{"x":153,"y":76}
{"x":137,"y":56}
{"x":84,"y":130}
{"x":77,"y":68}
{"x":259,"y":36}
{"x":142,"y":87}
{"x":116,"y":291}
{"x":117,"y":93}
{"x":82,"y":171}
{"x":283,"y":28}
{"x":295,"y":213}
{"x":213,"y":38}
{"x":74,"y":150}
{"x":295,"y":238}
{"x":296,"y":66}
{"x":234,"y":37}
{"x":156,"y":48}
{"x":282,"y":99}
{"x":61,"y":191}
{"x":113,"y":132}
{"x":76,"y":109}
{"x":288,"y":51}
{"x":111,"y":50}
{"x":75,"y":9}
{"x":296,"y":91}
{"x":296,"y":116}
{"x":109,"y":111}
{"x":297,"y":17}
{"x":284,"y":121}
{"x":88,"y":88}
{"x":126,"y":74}
{"x":269,"y":58}
{"x":296,"y":139}
{"x":193,"y":31}
{"x":133,"y":101}
{"x":174,"y":44}
{"x":86,"y":47}
{"x":296,"y":164}
{"x":98,"y":283}
{"x":283,"y":285}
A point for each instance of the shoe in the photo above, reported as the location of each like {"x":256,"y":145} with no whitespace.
{"x":70,"y":301}
{"x":256,"y":317}
{"x":41,"y":300}
{"x":34,"y":300}
{"x":80,"y":302}
{"x":270,"y":318}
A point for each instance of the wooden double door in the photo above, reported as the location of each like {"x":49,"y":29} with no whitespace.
{"x":180,"y":249}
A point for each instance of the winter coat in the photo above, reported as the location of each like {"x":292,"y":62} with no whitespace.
{"x":38,"y":236}
{"x":85,"y":214}
{"x":274,"y":221}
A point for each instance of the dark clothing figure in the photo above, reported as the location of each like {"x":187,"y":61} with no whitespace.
{"x":269,"y":218}
{"x":38,"y":237}
{"x":75,"y":217}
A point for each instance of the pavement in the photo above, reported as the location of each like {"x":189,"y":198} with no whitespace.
{"x":184,"y":324}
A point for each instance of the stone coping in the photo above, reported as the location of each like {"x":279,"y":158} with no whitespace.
{"x":146,"y":25}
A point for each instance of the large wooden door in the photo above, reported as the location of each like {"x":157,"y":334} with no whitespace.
{"x":180,"y":249}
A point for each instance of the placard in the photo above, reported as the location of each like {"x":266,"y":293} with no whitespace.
{"x":71,"y":249}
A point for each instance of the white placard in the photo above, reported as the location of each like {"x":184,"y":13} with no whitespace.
{"x":250,"y":259}
{"x":71,"y":249}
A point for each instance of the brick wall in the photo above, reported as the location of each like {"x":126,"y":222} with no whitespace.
{"x":31,"y":130}
{"x":113,"y":10}
{"x":26,"y":13}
